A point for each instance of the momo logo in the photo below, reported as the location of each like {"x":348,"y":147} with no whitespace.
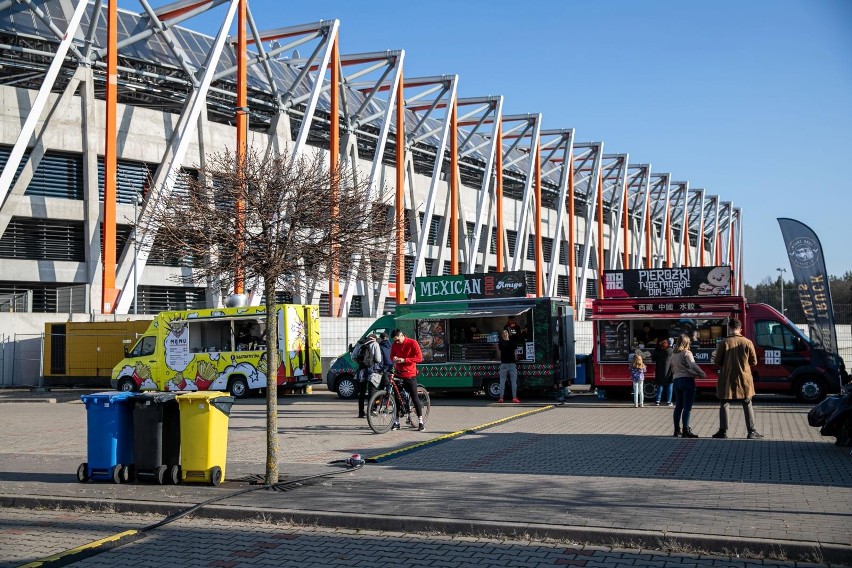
{"x":803,"y":252}
{"x":773,"y":357}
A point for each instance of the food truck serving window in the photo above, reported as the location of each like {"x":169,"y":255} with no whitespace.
{"x":470,"y":336}
{"x":619,"y":339}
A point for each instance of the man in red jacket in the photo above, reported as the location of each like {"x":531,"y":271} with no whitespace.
{"x":405,"y":354}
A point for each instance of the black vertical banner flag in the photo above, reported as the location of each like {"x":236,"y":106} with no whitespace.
{"x":809,"y":275}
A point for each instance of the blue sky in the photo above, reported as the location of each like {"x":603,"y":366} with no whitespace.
{"x":747,"y":99}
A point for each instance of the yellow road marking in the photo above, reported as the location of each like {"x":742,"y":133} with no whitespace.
{"x":456,"y":434}
{"x":84,"y":548}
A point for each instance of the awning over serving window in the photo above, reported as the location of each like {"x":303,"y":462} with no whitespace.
{"x":472,"y":313}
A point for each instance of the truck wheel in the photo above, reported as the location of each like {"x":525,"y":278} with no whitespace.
{"x":810,"y":389}
{"x":126,"y":384}
{"x":492,"y":389}
{"x":239,"y":387}
{"x":347,"y":387}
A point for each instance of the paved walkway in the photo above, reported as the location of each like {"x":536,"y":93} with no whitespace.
{"x":590,"y":471}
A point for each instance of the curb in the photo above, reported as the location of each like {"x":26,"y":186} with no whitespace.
{"x":721,"y":545}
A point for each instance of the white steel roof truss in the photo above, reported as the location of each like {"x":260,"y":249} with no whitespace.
{"x":487,"y":191}
{"x":166,"y":173}
{"x":40,"y":101}
{"x":526,"y":200}
{"x":617,"y":205}
{"x":169,"y":37}
{"x":640,"y":183}
{"x":590,"y":224}
{"x":391,"y":64}
{"x":450,"y":93}
{"x":565,"y":142}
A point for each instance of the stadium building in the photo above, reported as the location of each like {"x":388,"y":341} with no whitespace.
{"x":482,"y":190}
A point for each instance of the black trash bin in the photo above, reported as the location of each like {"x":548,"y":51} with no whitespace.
{"x":156,"y":438}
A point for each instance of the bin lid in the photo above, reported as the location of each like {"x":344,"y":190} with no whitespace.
{"x":219,"y":400}
{"x":155,"y":397}
{"x":108,"y":396}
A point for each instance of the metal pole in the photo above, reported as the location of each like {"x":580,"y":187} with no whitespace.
{"x":781,"y":272}
{"x":135,"y":253}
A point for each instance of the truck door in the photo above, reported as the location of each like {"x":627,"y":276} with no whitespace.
{"x":780,"y":351}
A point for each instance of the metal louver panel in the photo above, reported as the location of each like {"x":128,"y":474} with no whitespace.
{"x":154,"y":299}
{"x":59,"y":174}
{"x":43,"y":295}
{"x":43,"y":239}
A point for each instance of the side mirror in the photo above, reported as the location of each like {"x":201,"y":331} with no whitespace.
{"x":126,"y":352}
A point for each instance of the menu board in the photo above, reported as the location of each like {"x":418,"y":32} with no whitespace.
{"x":615,"y":340}
{"x":432,"y":337}
{"x":474,"y":352}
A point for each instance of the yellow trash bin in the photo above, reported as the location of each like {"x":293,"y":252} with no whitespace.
{"x":204,"y":435}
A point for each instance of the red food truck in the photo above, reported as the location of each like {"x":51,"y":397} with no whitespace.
{"x":697,"y":301}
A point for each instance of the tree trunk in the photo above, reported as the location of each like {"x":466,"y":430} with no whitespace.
{"x":271,"y":384}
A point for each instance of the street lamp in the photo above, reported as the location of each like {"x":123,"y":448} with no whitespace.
{"x":781,"y":272}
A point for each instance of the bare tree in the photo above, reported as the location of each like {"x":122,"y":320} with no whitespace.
{"x":283,"y":223}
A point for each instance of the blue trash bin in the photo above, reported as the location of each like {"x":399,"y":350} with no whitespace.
{"x":581,"y":363}
{"x":109,"y":420}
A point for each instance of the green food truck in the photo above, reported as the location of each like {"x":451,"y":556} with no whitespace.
{"x":457,"y":320}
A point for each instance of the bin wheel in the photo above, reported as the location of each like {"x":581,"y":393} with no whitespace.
{"x":174,"y":474}
{"x":129,"y":473}
{"x":83,"y":473}
{"x":215,"y":475}
{"x":161,"y":473}
{"x":117,"y":473}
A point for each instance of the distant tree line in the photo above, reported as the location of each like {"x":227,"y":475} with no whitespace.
{"x":768,"y":291}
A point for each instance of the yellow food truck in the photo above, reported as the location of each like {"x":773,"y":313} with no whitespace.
{"x":222,"y":349}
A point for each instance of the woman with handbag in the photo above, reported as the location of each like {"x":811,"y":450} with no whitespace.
{"x":684,"y":371}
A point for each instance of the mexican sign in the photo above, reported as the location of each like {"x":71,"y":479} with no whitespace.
{"x":471,"y":286}
{"x":668,"y":282}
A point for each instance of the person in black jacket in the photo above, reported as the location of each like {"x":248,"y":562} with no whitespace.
{"x":387,"y":362}
{"x":663,"y":371}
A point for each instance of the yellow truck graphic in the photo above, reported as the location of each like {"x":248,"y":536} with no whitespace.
{"x":222,"y":349}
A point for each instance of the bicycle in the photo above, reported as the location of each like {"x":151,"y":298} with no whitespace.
{"x":392,"y":403}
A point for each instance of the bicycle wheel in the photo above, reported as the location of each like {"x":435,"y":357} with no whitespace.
{"x":425,"y":406}
{"x":381,"y":412}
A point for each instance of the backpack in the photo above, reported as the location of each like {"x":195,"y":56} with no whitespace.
{"x":363,"y":355}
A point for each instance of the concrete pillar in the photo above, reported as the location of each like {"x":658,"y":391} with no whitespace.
{"x":92,"y":131}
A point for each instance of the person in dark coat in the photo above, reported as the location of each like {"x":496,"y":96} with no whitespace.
{"x":387,"y":362}
{"x":663,"y":371}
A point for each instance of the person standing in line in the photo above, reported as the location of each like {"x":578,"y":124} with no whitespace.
{"x":735,"y":356}
{"x":684,"y":371}
{"x":637,"y":376}
{"x":369,"y":357}
{"x":508,"y":366}
{"x":405,"y":354}
{"x":663,"y":371}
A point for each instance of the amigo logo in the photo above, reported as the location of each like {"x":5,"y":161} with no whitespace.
{"x":803,"y":252}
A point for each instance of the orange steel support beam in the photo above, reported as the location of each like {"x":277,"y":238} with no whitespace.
{"x":242,"y":144}
{"x":626,"y":222}
{"x":718,"y":238}
{"x":669,"y":234}
{"x":334,"y":307}
{"x":600,"y":235}
{"x":539,"y":254}
{"x":400,"y":192}
{"x":454,"y":190}
{"x":700,"y":242}
{"x":572,"y":261}
{"x":108,"y":290}
{"x":498,"y":194}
